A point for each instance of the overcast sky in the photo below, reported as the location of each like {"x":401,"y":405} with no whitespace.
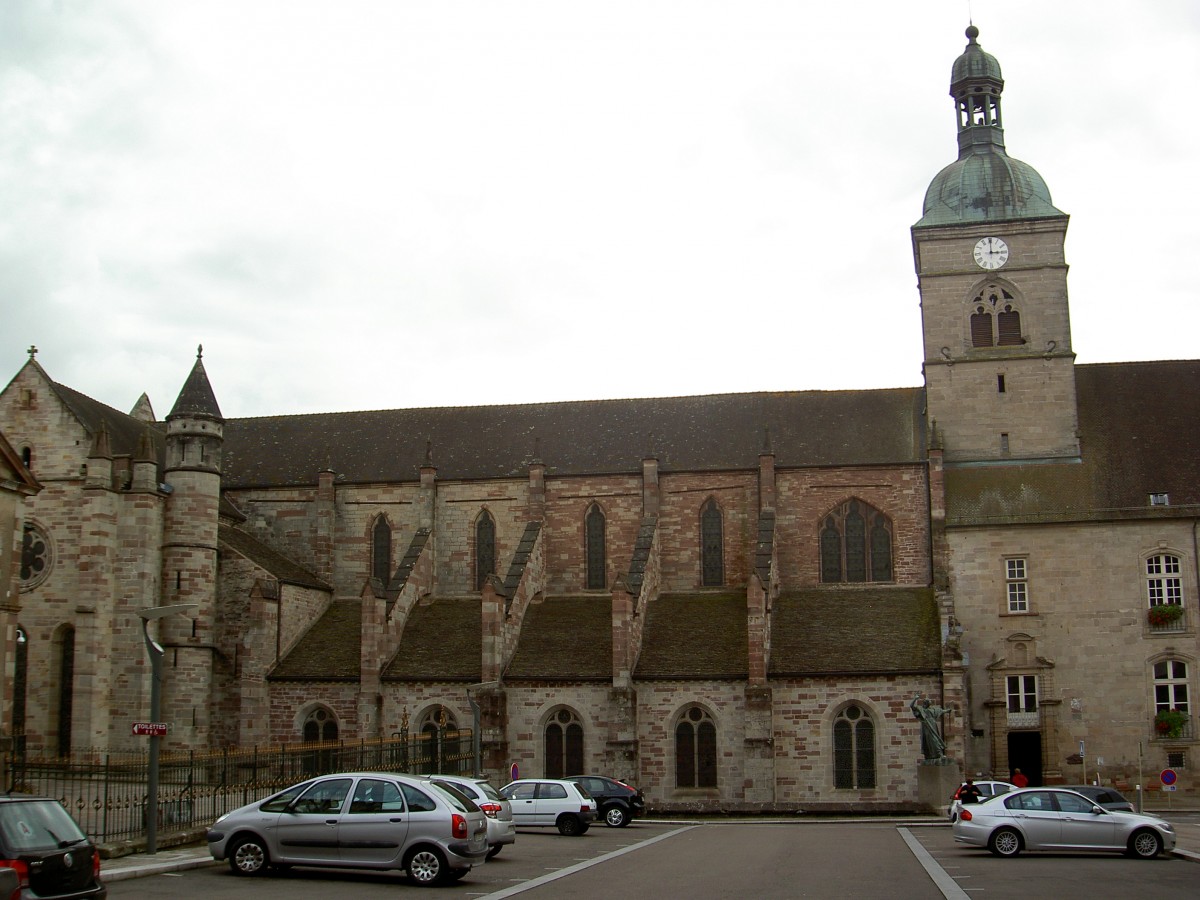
{"x":362,"y":205}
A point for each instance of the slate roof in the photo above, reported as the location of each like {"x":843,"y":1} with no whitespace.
{"x":695,"y":636}
{"x":1139,"y":433}
{"x":717,"y":432}
{"x":442,"y":641}
{"x":329,"y":651}
{"x":124,"y":431}
{"x":196,"y":397}
{"x":279,"y":566}
{"x":565,"y":639}
{"x":860,"y":631}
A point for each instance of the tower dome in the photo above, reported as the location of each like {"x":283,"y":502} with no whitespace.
{"x":984,"y":184}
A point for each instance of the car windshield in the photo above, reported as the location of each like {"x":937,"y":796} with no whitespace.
{"x":283,"y":800}
{"x":38,"y":825}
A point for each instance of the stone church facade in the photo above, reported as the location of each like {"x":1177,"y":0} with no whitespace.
{"x":730,"y":600}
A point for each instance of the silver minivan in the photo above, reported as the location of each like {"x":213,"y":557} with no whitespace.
{"x":365,"y":820}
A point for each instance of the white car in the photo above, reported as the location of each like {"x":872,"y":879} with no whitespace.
{"x":1058,"y":819}
{"x":987,"y":790}
{"x":500,"y":826}
{"x":553,"y":802}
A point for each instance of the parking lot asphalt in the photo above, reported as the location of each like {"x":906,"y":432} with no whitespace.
{"x":195,"y":855}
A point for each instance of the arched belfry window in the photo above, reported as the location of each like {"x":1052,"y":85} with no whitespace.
{"x":853,"y":749}
{"x":381,"y":550}
{"x":695,"y":749}
{"x":712,"y":545}
{"x":596,"y":556}
{"x":995,"y":320}
{"x":485,"y":548}
{"x":856,"y":544}
{"x":563,"y":744}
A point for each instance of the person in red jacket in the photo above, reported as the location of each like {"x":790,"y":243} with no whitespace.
{"x":1019,"y":780}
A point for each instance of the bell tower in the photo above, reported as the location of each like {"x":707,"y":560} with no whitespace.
{"x":999,"y":368}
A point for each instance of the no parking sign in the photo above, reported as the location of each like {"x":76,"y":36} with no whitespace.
{"x":1168,"y":779}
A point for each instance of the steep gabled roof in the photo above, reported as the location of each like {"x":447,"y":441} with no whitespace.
{"x":717,"y":432}
{"x":1139,"y":433}
{"x":270,"y":560}
{"x":565,"y":639}
{"x":862,"y":631}
{"x":695,"y":636}
{"x":329,"y":651}
{"x":124,"y":431}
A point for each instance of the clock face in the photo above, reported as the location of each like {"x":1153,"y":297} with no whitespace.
{"x":991,"y":253}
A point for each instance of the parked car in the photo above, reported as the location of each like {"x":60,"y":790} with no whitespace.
{"x":501,"y":828}
{"x":1058,"y":819}
{"x":366,"y":820}
{"x":47,"y":851}
{"x":1109,"y":798}
{"x":555,"y":802}
{"x":618,"y":802}
{"x":987,"y":790}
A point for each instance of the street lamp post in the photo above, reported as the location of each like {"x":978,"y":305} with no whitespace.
{"x":156,"y":654}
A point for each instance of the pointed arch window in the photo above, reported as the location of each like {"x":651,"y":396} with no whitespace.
{"x":854,"y":749}
{"x":856,"y":544}
{"x":20,"y":689}
{"x":563,"y":745}
{"x":381,"y":550}
{"x":439,"y":741}
{"x":695,"y":749}
{"x":485,"y":548}
{"x":596,"y":555}
{"x":66,"y":688}
{"x":712,"y":545}
{"x":995,"y":320}
{"x":320,"y":727}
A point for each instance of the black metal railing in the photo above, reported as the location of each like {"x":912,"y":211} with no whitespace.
{"x":106,"y":791}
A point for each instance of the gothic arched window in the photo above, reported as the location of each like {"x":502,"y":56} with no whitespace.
{"x":20,"y":690}
{"x":856,"y":544}
{"x":65,"y":651}
{"x":596,"y":557}
{"x":995,"y":321}
{"x":853,"y":749}
{"x":381,"y":550}
{"x":563,"y":745}
{"x":712,"y":545}
{"x":485,"y":548}
{"x":695,"y":749}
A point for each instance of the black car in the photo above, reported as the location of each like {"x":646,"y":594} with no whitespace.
{"x":618,"y":802}
{"x":1104,"y":797}
{"x":49,"y":853}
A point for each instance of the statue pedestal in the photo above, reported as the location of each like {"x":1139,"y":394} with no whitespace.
{"x":937,"y":780}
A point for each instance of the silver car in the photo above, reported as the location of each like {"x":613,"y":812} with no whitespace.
{"x":1057,"y":819}
{"x":501,"y":828}
{"x":366,"y":820}
{"x":552,"y":802}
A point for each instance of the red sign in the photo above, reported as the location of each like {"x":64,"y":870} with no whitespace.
{"x":1167,"y":776}
{"x":150,"y":729}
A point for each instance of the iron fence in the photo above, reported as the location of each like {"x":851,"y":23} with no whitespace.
{"x":106,"y":791}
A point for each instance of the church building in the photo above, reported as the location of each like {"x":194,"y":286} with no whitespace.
{"x":730,"y":600}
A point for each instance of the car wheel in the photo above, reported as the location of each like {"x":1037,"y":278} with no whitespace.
{"x":426,"y":866}
{"x":616,"y":817}
{"x":492,"y":851}
{"x":249,"y":856}
{"x":569,"y":824}
{"x":1145,"y":844}
{"x":1005,"y":842}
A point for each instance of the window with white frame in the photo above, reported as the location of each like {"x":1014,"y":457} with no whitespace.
{"x":1164,"y":585}
{"x":1022,"y":694}
{"x":1170,"y":685}
{"x":1016,"y":584}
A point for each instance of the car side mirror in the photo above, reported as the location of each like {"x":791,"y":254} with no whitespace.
{"x":1098,"y":810}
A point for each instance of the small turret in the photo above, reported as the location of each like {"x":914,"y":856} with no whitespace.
{"x":195,"y":428}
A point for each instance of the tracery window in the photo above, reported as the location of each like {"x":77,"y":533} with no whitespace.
{"x":995,"y":320}
{"x":856,"y":544}
{"x":695,"y":749}
{"x":596,"y":556}
{"x":440,"y":738}
{"x":853,"y":748}
{"x":563,"y":744}
{"x":381,"y":550}
{"x":37,"y":556}
{"x":712,"y":545}
{"x":485,"y":548}
{"x":319,"y":726}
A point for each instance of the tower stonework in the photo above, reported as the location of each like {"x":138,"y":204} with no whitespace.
{"x":998,"y":363}
{"x":189,"y":563}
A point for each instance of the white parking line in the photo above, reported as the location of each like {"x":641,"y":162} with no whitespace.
{"x":579,"y":867}
{"x":946,"y":884}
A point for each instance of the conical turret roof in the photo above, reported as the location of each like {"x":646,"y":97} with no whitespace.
{"x":197,"y":398}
